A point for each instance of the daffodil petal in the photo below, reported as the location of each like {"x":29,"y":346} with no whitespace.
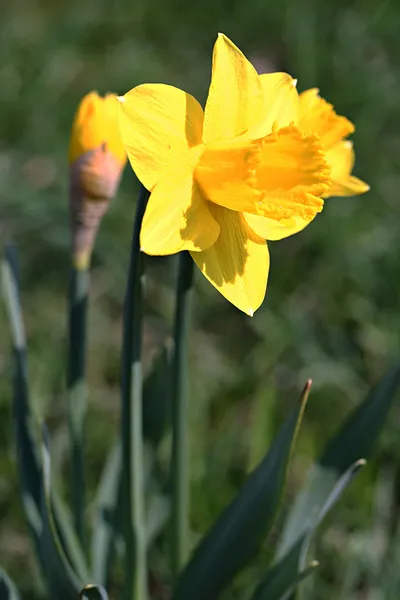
{"x":237,"y":264}
{"x":319,"y":117}
{"x":235,"y":99}
{"x":280,"y":103}
{"x":159,"y":125}
{"x":273,"y":230}
{"x":177,"y":217}
{"x":341,"y":159}
{"x":279,"y":176}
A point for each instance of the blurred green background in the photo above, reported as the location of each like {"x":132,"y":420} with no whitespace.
{"x":331,"y":310}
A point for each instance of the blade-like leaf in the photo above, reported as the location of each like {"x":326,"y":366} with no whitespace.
{"x":283,"y":577}
{"x":28,"y":454}
{"x":239,"y":531}
{"x":354,"y":440}
{"x":291,"y":568}
{"x":156,"y":397}
{"x":105,"y":524}
{"x":63,"y":581}
{"x":8,"y":590}
{"x":157,"y":515}
{"x":357,"y":436}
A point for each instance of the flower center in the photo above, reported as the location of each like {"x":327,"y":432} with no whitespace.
{"x":279,"y":176}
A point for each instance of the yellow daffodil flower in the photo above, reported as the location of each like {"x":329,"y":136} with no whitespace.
{"x":318,"y":116}
{"x":97,"y":157}
{"x":225,"y":180}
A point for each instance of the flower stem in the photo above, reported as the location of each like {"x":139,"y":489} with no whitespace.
{"x":180,"y":446}
{"x":78,"y":299}
{"x":132,"y":436}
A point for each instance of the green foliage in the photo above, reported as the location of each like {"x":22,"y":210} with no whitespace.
{"x":239,"y":531}
{"x":8,"y":590}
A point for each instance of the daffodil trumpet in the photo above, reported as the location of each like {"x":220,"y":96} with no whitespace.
{"x":255,"y":165}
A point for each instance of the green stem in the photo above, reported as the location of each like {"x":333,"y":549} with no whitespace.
{"x":132,"y":436}
{"x":180,"y":433}
{"x":78,"y":300}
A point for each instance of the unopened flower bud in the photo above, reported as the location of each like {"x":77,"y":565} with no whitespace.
{"x":97,"y":157}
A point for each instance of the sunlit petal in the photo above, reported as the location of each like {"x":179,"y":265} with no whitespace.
{"x":280,"y":103}
{"x":238,"y":263}
{"x":235,"y":100}
{"x":279,"y":176}
{"x":270,"y":229}
{"x":341,"y":159}
{"x":159,"y":125}
{"x":319,"y":117}
{"x":177,"y":217}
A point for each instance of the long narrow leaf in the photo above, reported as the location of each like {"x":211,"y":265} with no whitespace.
{"x":63,"y":581}
{"x":283,"y":577}
{"x":8,"y":589}
{"x":291,"y":568}
{"x":156,"y":397}
{"x":239,"y":531}
{"x":105,"y":523}
{"x":28,"y":454}
{"x":354,"y":440}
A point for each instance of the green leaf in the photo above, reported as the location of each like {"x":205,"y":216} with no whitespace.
{"x":283,"y":577}
{"x":105,"y":523}
{"x":354,"y":440}
{"x":62,"y":579}
{"x":239,"y":531}
{"x":357,"y":436}
{"x":159,"y":509}
{"x":156,"y":397}
{"x":27,"y":455}
{"x":8,"y":590}
{"x":27,"y":449}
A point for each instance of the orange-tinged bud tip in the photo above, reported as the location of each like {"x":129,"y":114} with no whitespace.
{"x":97,"y":157}
{"x":96,"y":125}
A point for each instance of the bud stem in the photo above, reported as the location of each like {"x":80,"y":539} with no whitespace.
{"x":76,"y":386}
